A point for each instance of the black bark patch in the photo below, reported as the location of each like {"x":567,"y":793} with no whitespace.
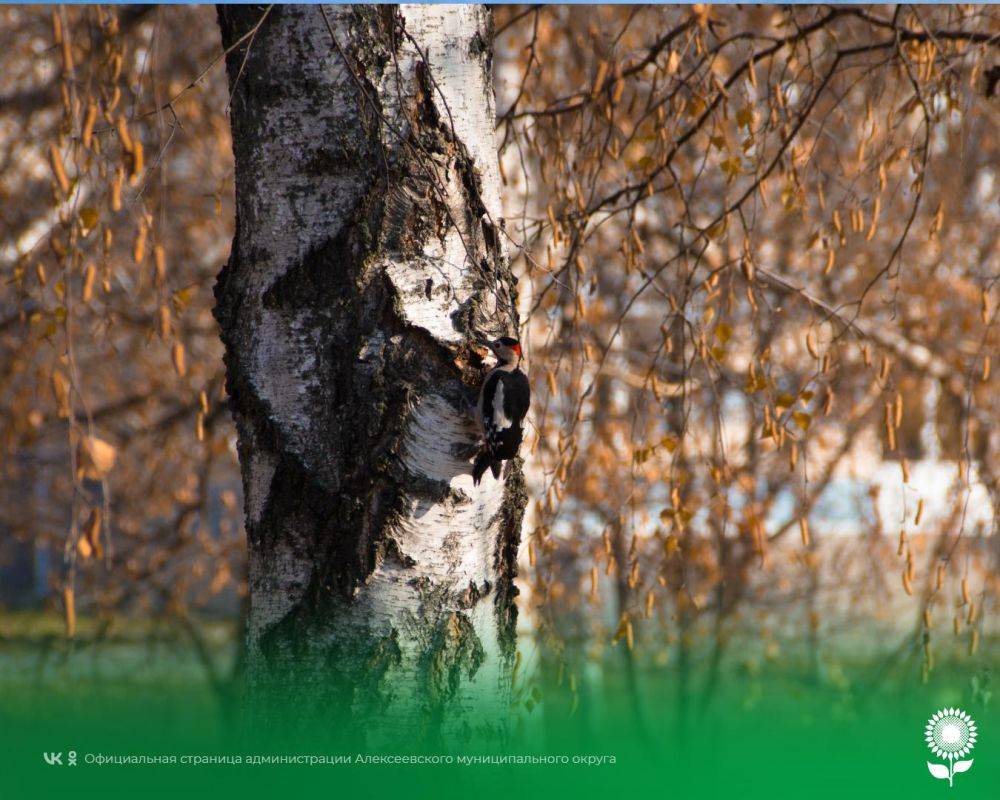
{"x":454,"y":650}
{"x":505,"y":555}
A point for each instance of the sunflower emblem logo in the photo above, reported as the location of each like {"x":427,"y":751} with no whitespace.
{"x":951,"y":734}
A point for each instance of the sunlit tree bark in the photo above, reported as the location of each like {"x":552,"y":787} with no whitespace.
{"x":368,"y":258}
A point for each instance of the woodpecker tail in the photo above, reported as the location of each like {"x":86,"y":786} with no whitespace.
{"x":480,"y":465}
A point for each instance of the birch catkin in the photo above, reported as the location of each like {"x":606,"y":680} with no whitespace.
{"x":89,"y":276}
{"x":137,"y":163}
{"x":160,"y":261}
{"x":59,"y":169}
{"x":87,"y":133}
{"x":126,"y":139}
{"x":69,"y":607}
{"x":178,"y":358}
{"x":873,"y":228}
{"x":890,"y":429}
{"x":116,"y":189}
{"x":139,"y":248}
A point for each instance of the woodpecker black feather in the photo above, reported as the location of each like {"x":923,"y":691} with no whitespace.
{"x":503,"y":403}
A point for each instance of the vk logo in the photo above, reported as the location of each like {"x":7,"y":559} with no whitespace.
{"x":52,"y":759}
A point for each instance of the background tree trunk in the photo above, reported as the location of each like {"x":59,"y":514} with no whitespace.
{"x":368,"y":257}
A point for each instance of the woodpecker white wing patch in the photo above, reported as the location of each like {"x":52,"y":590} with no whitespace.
{"x":503,"y":402}
{"x":500,"y":418}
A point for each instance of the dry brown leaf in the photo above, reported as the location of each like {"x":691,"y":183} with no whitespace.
{"x":95,"y":457}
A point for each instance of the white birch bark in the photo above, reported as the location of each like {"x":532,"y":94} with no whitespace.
{"x":367,"y":259}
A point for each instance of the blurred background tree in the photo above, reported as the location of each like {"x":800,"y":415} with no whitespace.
{"x":758,"y":253}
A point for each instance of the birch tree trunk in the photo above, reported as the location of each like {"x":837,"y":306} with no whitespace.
{"x":368,"y":257}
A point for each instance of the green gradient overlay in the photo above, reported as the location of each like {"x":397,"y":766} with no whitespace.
{"x":762,"y":732}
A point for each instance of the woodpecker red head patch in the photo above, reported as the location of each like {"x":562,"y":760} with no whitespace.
{"x":510,"y":343}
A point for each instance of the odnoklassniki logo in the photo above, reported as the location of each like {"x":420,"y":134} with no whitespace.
{"x":951,"y":734}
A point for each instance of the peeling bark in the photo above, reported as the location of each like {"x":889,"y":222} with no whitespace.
{"x":367,"y":259}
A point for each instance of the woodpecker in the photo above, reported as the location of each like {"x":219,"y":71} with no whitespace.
{"x":503,"y":402}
